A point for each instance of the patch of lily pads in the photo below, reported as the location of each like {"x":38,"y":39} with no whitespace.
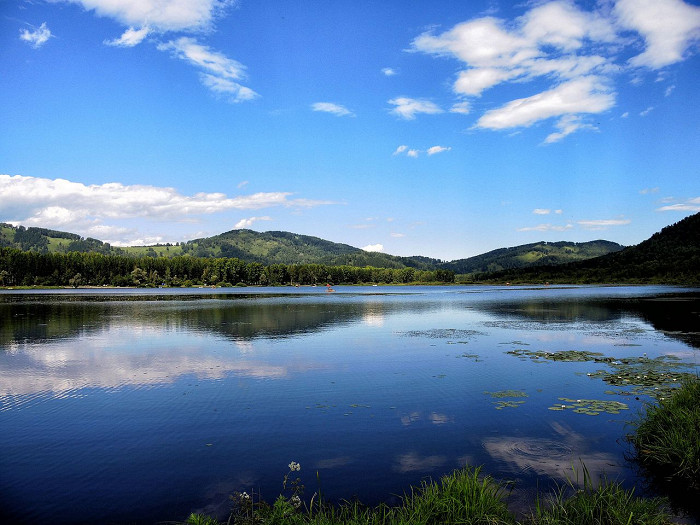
{"x":589,"y":407}
{"x":654,"y":377}
{"x":563,"y":355}
{"x":444,"y":333}
{"x":506,"y":403}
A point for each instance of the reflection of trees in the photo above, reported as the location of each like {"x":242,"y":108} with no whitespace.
{"x":45,"y":317}
{"x":678,"y":315}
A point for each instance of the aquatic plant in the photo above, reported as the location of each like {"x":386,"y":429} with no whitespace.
{"x":503,"y":403}
{"x":590,"y":407}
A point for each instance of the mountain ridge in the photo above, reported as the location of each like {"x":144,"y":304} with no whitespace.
{"x":281,"y":247}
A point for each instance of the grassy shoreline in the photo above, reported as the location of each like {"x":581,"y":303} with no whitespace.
{"x":667,"y":447}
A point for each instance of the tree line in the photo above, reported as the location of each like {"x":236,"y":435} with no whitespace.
{"x":20,"y":268}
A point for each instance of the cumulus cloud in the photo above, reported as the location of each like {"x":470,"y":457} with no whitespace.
{"x":247,"y":223}
{"x":689,"y":205}
{"x":330,"y":107}
{"x":130,"y":38}
{"x":400,"y":149}
{"x":541,"y":211}
{"x":566,"y":126}
{"x":36,"y":38}
{"x":373,"y":248}
{"x":161,"y":15}
{"x":218,"y":72}
{"x":668,"y":27}
{"x":576,"y":53}
{"x":582,"y":95}
{"x":602,"y":224}
{"x":389,"y":72}
{"x":398,"y":235}
{"x":78,"y":207}
{"x":547,"y":228}
{"x":407,"y":108}
{"x":413,"y":153}
{"x":463,"y":108}
{"x":437,"y":149}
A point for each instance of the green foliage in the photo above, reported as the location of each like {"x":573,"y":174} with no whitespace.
{"x":607,"y":504}
{"x":466,"y":497}
{"x":24,"y":268}
{"x":536,"y":254}
{"x":667,"y":439}
{"x":671,"y":256}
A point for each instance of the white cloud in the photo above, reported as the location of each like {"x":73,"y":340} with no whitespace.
{"x":541,"y":211}
{"x":373,"y":248}
{"x":646,"y":191}
{"x":603,"y":224}
{"x":689,"y":205}
{"x":130,"y":38}
{"x":389,"y":72}
{"x":558,"y":212}
{"x":582,"y":95}
{"x":547,"y":228}
{"x":78,"y":207}
{"x":400,"y":149}
{"x":247,"y":223}
{"x":36,"y":38}
{"x":219,"y":72}
{"x":398,"y":235}
{"x":646,"y":111}
{"x":407,"y":108}
{"x":669,"y":28}
{"x":576,"y":53}
{"x":330,"y":107}
{"x":625,"y":114}
{"x":413,"y":153}
{"x":161,"y":15}
{"x":438,"y":149}
{"x":669,"y":90}
{"x":566,"y":126}
{"x":242,"y":184}
{"x":463,"y":108}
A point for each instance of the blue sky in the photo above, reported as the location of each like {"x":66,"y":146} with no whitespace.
{"x":443,"y":128}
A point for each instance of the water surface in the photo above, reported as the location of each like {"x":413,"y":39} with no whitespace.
{"x":145,"y":405}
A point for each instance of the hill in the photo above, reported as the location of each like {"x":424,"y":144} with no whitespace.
{"x":278,"y":247}
{"x":669,"y":256}
{"x":535,"y":254}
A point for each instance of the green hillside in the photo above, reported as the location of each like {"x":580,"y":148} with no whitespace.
{"x":670,"y":256}
{"x":535,"y":254}
{"x":278,"y":247}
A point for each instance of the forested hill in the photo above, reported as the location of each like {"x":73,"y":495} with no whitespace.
{"x":278,"y":247}
{"x":669,"y":256}
{"x":535,"y":254}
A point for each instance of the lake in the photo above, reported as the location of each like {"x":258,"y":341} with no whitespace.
{"x":141,"y":406}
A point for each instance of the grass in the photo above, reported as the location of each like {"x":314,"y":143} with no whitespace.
{"x":463,"y":497}
{"x":609,"y":503}
{"x":667,"y":442}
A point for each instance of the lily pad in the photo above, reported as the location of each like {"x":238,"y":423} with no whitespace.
{"x":590,"y":407}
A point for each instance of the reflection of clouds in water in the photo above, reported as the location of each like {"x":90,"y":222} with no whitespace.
{"x":440,"y":419}
{"x":108,"y":361}
{"x":552,"y":457}
{"x":434,"y":417}
{"x":336,"y":462}
{"x":244,"y":347}
{"x":412,"y":462}
{"x":373,"y":318}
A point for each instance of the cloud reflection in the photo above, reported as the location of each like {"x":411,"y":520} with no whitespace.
{"x":556,"y":458}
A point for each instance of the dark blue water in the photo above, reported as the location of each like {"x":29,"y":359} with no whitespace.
{"x":143,"y":406}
